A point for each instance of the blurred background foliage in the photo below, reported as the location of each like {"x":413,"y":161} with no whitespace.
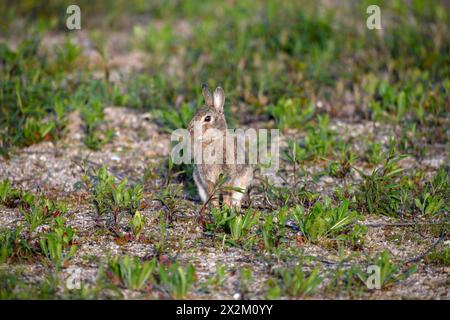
{"x":274,"y":58}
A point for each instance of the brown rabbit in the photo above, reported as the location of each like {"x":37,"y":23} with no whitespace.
{"x":208,"y":119}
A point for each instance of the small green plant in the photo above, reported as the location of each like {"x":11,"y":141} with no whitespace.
{"x":439,"y":257}
{"x":137,"y":224}
{"x":352,"y":280}
{"x":355,"y":237}
{"x":374,"y":154}
{"x":112,"y":199}
{"x":42,"y":211}
{"x":389,"y":271}
{"x":93,"y":116}
{"x":245,"y":278}
{"x":177,"y":119}
{"x":273,"y":228}
{"x":379,"y":192}
{"x":12,"y":197}
{"x":429,"y":205}
{"x":130,"y":272}
{"x":292,"y":113}
{"x":13,"y":246}
{"x":340,"y":169}
{"x":219,"y":276}
{"x":294,"y":282}
{"x":323,"y":220}
{"x":436,"y":192}
{"x":58,"y":245}
{"x":5,"y":191}
{"x":237,"y":225}
{"x":177,"y":280}
{"x":10,"y":285}
{"x":319,"y":142}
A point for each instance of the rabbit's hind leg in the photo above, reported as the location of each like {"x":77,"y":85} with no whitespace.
{"x":202,"y":192}
{"x":233,"y":198}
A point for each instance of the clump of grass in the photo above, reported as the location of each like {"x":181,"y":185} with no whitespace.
{"x":134,"y":274}
{"x":374,"y":153}
{"x":320,"y":141}
{"x":42,"y":211}
{"x":292,"y":113}
{"x":323,"y":220}
{"x":380,"y":192}
{"x":130,"y":272}
{"x":238,"y":226}
{"x":439,"y":257}
{"x":58,"y":245}
{"x":435,"y":195}
{"x":6,"y":192}
{"x":355,"y":237}
{"x":293,"y":282}
{"x":93,"y":119}
{"x":13,"y":246}
{"x":110,"y":198}
{"x":389,"y":272}
{"x":340,"y":169}
{"x":177,"y":280}
{"x":273,"y":229}
{"x":175,"y":119}
{"x":13,"y":287}
{"x":137,"y":224}
{"x":14,"y":197}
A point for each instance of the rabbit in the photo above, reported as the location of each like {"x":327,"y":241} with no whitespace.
{"x":206,"y":175}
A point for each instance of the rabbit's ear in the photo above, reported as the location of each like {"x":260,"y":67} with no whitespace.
{"x":207,"y":95}
{"x":219,"y":99}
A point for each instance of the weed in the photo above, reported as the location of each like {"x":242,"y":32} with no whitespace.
{"x":435,"y":195}
{"x":374,"y":153}
{"x":238,"y":226}
{"x":439,"y":257}
{"x":342,"y":168}
{"x":245,"y":277}
{"x":292,"y":113}
{"x":294,"y":282}
{"x":174,"y":120}
{"x":319,"y":142}
{"x":355,"y":237}
{"x":93,"y":115}
{"x":112,"y":199}
{"x":42,"y":211}
{"x":137,"y":224}
{"x":58,"y":245}
{"x":131,"y":272}
{"x":323,"y":220}
{"x":6,"y":193}
{"x":379,"y":192}
{"x":176,"y":279}
{"x":13,"y":246}
{"x":389,"y":271}
{"x":273,"y":229}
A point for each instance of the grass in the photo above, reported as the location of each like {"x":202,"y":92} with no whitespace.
{"x":237,"y":225}
{"x":131,"y":273}
{"x":323,"y":220}
{"x":380,"y":192}
{"x":58,"y":245}
{"x":390,"y":272}
{"x":134,"y":274}
{"x":294,"y":282}
{"x":308,"y":69}
{"x":112,"y":199}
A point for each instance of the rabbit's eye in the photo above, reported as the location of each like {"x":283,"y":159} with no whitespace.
{"x":207,"y":118}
